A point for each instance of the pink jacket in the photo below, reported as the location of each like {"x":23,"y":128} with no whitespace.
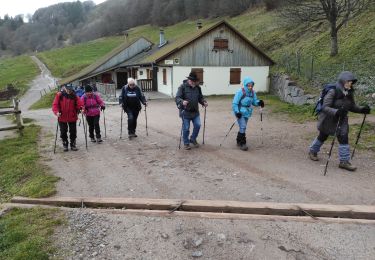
{"x":92,"y":104}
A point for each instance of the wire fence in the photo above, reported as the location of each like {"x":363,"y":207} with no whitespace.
{"x":316,"y":73}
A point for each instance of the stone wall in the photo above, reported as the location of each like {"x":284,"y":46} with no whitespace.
{"x":288,"y":91}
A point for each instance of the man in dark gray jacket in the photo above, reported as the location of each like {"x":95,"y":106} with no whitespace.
{"x":336,"y":104}
{"x":188,"y":98}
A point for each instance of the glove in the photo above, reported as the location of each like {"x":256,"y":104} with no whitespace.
{"x":102,"y":108}
{"x":238,"y":115}
{"x":261,"y":103}
{"x":366,"y":110}
{"x":341,"y":112}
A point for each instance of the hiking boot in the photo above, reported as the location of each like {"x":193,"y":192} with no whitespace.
{"x":99,"y":140}
{"x":347,"y":166}
{"x":187,"y":147}
{"x":313,"y":156}
{"x":93,"y":140}
{"x":194,"y":143}
{"x":238,"y":139}
{"x":244,"y":147}
{"x":66,"y":146}
{"x":73,"y":146}
{"x":132,"y":135}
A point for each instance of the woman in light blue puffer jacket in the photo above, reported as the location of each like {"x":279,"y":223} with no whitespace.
{"x":242,"y":104}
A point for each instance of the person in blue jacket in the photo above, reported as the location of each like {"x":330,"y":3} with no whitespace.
{"x":242,"y":104}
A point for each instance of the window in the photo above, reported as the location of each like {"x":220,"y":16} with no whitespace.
{"x":221,"y":44}
{"x":164,"y":76}
{"x":199,"y":72}
{"x":235,"y":76}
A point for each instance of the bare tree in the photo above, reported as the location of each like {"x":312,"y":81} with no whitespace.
{"x":336,"y":12}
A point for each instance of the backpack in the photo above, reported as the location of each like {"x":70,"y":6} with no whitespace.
{"x":319,"y":104}
{"x":243,"y":96}
{"x":85,"y":99}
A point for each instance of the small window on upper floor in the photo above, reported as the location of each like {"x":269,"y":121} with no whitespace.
{"x":221,"y":44}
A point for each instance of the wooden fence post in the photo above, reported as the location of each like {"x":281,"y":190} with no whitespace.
{"x":17,"y":113}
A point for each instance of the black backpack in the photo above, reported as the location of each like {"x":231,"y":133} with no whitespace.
{"x":319,"y":104}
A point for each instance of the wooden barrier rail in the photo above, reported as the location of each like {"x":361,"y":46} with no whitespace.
{"x":15,"y":110}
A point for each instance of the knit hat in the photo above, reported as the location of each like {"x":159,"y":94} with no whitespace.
{"x":88,"y":88}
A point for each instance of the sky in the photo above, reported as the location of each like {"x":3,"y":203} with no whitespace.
{"x":15,"y":7}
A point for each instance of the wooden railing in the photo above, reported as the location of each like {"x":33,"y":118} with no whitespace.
{"x":145,"y":85}
{"x":15,"y":111}
{"x":106,"y":89}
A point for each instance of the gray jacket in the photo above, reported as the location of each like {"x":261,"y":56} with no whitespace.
{"x":193,"y":96}
{"x":335,"y":99}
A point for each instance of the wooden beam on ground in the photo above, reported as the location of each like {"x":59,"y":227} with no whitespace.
{"x":214,"y":206}
{"x":7,"y":128}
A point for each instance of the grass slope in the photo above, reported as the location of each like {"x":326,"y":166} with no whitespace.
{"x":20,"y":171}
{"x":45,"y":101}
{"x":18,"y":71}
{"x":26,"y":233}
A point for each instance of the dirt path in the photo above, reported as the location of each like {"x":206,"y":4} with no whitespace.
{"x":152,"y":167}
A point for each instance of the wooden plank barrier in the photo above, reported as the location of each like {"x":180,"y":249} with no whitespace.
{"x":15,"y":110}
{"x":212,"y":206}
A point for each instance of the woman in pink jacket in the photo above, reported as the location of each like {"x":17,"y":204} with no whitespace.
{"x":92,"y":104}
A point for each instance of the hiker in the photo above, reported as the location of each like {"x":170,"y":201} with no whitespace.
{"x":242,"y":104}
{"x":336,"y":104}
{"x":80,"y":91}
{"x":93,"y":104}
{"x":66,"y":106}
{"x":131,"y":98}
{"x":188,"y":96}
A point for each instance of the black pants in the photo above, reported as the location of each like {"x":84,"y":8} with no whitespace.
{"x":132,"y":120}
{"x":343,"y":139}
{"x":72,"y":126}
{"x":93,"y":122}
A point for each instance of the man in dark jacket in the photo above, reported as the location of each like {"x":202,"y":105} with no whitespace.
{"x":131,"y":98}
{"x":188,"y":96}
{"x":66,"y":107}
{"x":336,"y":105}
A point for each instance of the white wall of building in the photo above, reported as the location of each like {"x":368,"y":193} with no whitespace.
{"x":142,"y":71}
{"x":216,"y":79}
{"x":165,"y":89}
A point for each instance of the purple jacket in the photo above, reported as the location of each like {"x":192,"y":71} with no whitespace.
{"x":92,"y":104}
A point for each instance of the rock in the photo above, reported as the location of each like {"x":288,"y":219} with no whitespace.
{"x":164,"y":236}
{"x":94,"y":254}
{"x":197,"y":242}
{"x":197,"y":254}
{"x":117,"y":247}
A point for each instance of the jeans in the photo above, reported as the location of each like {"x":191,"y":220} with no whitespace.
{"x":93,"y":122}
{"x":242,"y":123}
{"x":72,"y":126}
{"x":132,"y":120}
{"x":186,"y":128}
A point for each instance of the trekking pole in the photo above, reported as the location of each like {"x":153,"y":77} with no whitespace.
{"x":122,"y":113}
{"x":261,"y":124}
{"x":105,"y":126}
{"x":228,"y":133}
{"x":84,"y":130}
{"x":57,"y":129}
{"x":146,"y":121}
{"x":204,"y":124}
{"x":182,"y":127}
{"x":359,"y":135}
{"x":332,"y":144}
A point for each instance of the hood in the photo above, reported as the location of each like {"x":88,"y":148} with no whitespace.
{"x":346,"y":76}
{"x":246,"y":81}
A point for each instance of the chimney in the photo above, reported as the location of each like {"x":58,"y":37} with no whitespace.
{"x":162,"y":40}
{"x":199,"y":25}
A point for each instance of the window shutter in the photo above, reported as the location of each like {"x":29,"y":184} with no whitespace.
{"x":235,"y":76}
{"x":164,"y":76}
{"x":221,"y":44}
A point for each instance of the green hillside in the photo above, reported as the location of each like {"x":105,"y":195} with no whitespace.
{"x":277,"y":39}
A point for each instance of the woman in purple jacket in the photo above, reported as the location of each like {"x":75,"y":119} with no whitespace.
{"x":92,"y":104}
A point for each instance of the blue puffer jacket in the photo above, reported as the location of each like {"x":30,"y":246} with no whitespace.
{"x":246,"y":103}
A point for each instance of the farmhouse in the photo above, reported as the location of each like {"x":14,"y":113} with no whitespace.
{"x":219,"y":54}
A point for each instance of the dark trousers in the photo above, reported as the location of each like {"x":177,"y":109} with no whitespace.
{"x":132,"y":120}
{"x":343,"y":139}
{"x":72,"y":126}
{"x":93,"y":122}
